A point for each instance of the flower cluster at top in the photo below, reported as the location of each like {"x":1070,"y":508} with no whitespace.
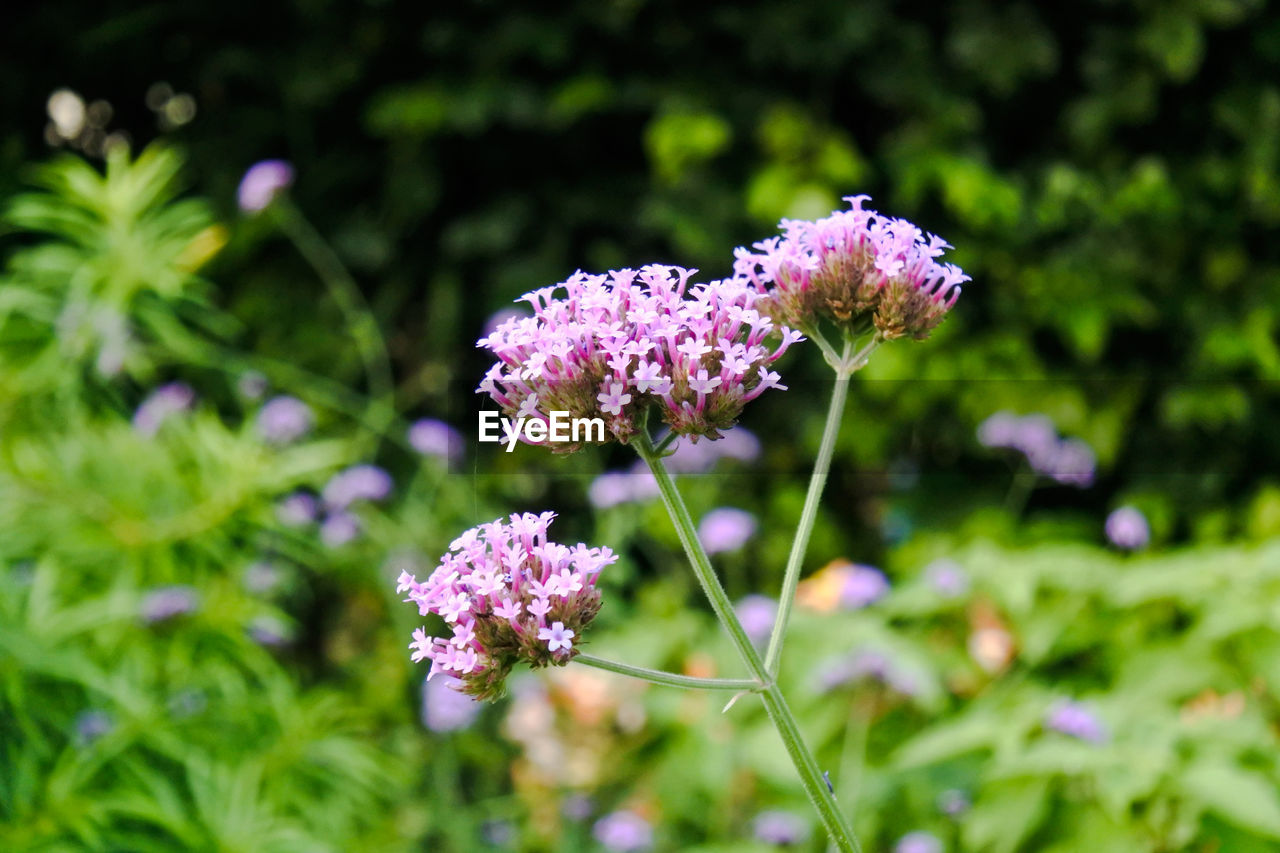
{"x":857,"y":269}
{"x":507,"y":594}
{"x":617,"y":344}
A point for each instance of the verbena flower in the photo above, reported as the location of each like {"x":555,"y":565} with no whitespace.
{"x":857,"y":269}
{"x":262,"y":183}
{"x":160,"y":405}
{"x":918,"y":842}
{"x":726,"y":529}
{"x":431,"y":437}
{"x":863,"y":585}
{"x":444,"y":708}
{"x":1127,"y":528}
{"x":339,"y":528}
{"x":357,"y":483}
{"x":1076,"y":720}
{"x":780,"y":827}
{"x":1069,"y":461}
{"x":166,"y":602}
{"x":297,"y":510}
{"x":616,"y":345}
{"x":623,"y":831}
{"x":507,"y":594}
{"x":756,"y":613}
{"x":867,"y":666}
{"x":284,"y":419}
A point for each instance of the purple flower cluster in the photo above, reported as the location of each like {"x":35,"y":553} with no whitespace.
{"x":779,"y":827}
{"x":862,"y":585}
{"x":1076,"y":720}
{"x":284,"y":419}
{"x":262,"y":183}
{"x":507,"y":594}
{"x":623,"y":831}
{"x":1127,"y":528}
{"x":1069,"y":461}
{"x":857,"y":269}
{"x":166,"y":602}
{"x":431,"y":437}
{"x":160,"y":405}
{"x":756,"y":613}
{"x":444,"y":707}
{"x":617,"y":344}
{"x":918,"y":842}
{"x":726,"y":529}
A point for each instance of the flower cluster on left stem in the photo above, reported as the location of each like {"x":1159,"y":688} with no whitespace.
{"x":507,"y":594}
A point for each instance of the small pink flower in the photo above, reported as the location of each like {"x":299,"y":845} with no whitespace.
{"x":557,"y":637}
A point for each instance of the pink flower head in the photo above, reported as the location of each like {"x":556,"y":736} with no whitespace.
{"x":857,"y":269}
{"x":612,"y":346}
{"x":507,"y":594}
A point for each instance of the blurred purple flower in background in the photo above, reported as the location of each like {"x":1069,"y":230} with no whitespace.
{"x":1069,"y":461}
{"x":1127,"y":528}
{"x":166,"y":602}
{"x":339,"y":528}
{"x":780,"y":827}
{"x":358,"y":483}
{"x":284,"y":419}
{"x":1074,"y":719}
{"x":444,"y":709}
{"x":918,"y":842}
{"x":947,"y":578}
{"x":862,"y":585}
{"x":297,"y":510}
{"x":262,"y":183}
{"x":161,"y":404}
{"x":91,"y":725}
{"x":431,"y":437}
{"x":756,"y":613}
{"x":623,"y":831}
{"x":726,"y":529}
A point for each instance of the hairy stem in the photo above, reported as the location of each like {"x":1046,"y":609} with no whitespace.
{"x":808,"y":515}
{"x":670,"y":679}
{"x":784,"y":721}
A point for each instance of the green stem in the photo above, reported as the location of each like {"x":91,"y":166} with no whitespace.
{"x":670,"y":679}
{"x":698,"y":558}
{"x":775,"y":704}
{"x":808,"y":515}
{"x":360,"y":321}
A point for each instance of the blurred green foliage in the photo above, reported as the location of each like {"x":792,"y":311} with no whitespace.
{"x":1110,"y":176}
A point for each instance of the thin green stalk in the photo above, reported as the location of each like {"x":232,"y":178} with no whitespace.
{"x":670,"y":679}
{"x":808,"y":515}
{"x":360,"y":321}
{"x":775,"y":703}
{"x":698,"y":558}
